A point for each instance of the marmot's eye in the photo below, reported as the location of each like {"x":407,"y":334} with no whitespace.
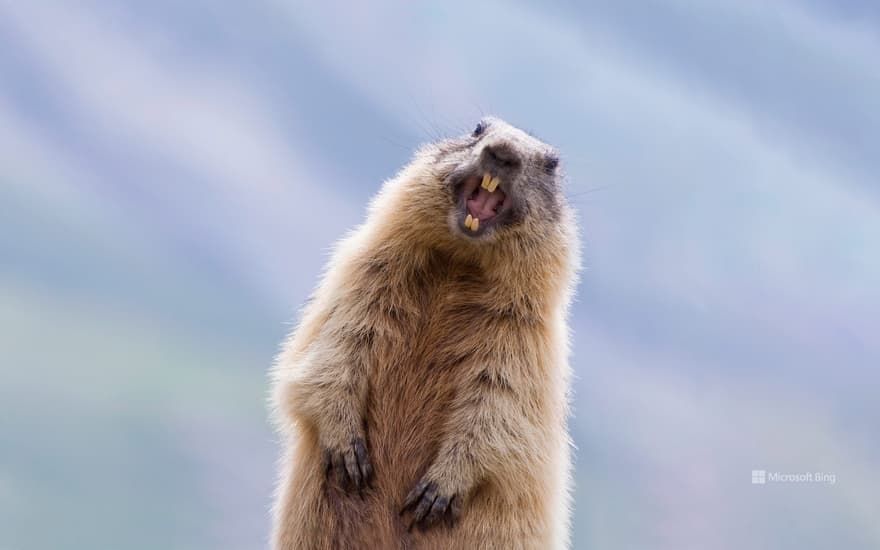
{"x":551,"y":161}
{"x":479,"y":129}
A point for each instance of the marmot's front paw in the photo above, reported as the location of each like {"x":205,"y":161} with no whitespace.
{"x":430,"y":504}
{"x":350,"y":465}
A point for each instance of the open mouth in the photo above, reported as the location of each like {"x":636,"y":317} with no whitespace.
{"x":484,"y":201}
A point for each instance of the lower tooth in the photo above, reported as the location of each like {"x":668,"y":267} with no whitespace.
{"x":468,"y":221}
{"x":475,"y":224}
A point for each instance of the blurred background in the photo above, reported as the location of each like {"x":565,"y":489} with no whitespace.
{"x":173,"y":174}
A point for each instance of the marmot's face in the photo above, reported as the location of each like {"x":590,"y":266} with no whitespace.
{"x":501,"y":181}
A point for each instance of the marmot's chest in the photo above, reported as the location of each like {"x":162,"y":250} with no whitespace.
{"x":415,"y":374}
{"x":446,"y":324}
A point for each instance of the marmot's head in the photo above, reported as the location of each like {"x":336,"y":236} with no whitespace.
{"x":497,"y":182}
{"x":493,"y":196}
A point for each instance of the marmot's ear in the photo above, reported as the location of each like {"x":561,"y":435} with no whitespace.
{"x":480,"y":128}
{"x":551,"y":161}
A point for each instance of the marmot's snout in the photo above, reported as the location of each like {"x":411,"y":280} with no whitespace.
{"x":505,"y":173}
{"x":500,"y":156}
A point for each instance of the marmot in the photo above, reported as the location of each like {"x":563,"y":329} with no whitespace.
{"x":423,"y":396}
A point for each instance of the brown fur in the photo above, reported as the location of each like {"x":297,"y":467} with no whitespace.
{"x":448,"y":355}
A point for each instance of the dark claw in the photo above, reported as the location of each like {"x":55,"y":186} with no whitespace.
{"x":436,"y":512}
{"x":360,"y":449}
{"x":414,"y":495}
{"x":424,"y":505}
{"x":339,"y":468}
{"x":328,"y":461}
{"x":453,"y":512}
{"x":351,"y":467}
{"x":429,"y":507}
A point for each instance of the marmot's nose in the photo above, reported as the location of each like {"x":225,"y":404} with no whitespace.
{"x":500,"y":157}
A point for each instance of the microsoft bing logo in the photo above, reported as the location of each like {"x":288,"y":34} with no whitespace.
{"x":762,"y":477}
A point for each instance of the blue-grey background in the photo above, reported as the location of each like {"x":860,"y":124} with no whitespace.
{"x":172,"y":175}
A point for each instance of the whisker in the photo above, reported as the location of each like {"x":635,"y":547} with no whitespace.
{"x":591,"y":190}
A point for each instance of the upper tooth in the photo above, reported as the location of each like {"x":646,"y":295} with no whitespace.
{"x":486,"y":179}
{"x":475,"y":224}
{"x":493,"y":184}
